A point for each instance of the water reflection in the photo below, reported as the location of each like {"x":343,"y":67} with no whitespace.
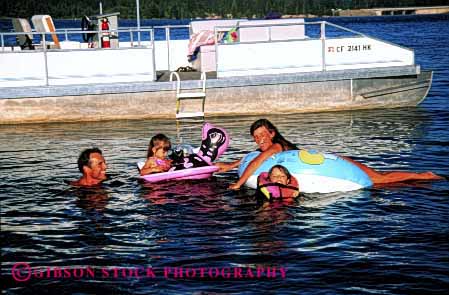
{"x":325,"y":200}
{"x":92,"y":223}
{"x":268,"y":219}
{"x":203,"y":196}
{"x":354,"y":133}
{"x":92,"y":200}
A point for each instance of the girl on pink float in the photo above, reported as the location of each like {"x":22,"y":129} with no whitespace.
{"x":214,"y":142}
{"x":157,"y":160}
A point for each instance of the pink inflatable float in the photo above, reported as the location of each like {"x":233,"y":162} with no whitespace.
{"x":214,"y":143}
{"x":191,"y":173}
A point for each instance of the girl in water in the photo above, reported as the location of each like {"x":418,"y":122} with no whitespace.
{"x":277,"y":183}
{"x":157,"y":155}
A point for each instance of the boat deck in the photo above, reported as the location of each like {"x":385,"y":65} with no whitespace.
{"x":190,"y":80}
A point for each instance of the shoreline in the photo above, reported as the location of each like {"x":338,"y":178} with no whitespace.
{"x":379,"y":11}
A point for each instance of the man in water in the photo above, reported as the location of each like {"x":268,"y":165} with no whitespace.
{"x":93,"y":167}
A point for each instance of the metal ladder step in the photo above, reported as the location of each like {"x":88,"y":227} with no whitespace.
{"x":188,"y":95}
{"x":189,"y":115}
{"x":191,"y":95}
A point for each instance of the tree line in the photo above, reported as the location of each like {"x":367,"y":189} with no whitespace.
{"x":181,"y":9}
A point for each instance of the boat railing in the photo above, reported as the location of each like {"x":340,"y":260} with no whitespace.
{"x":365,"y":35}
{"x":125,"y":37}
{"x":321,"y":32}
{"x":312,"y":48}
{"x":161,"y":48}
{"x":146,"y":37}
{"x":328,"y":34}
{"x":40,"y":64}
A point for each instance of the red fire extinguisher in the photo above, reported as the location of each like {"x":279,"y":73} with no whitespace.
{"x":105,"y":41}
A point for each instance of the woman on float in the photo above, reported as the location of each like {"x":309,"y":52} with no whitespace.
{"x":271,"y":142}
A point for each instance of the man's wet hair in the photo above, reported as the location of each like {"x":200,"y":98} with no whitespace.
{"x":83,"y":159}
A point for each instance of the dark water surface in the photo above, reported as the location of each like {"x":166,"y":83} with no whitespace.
{"x":386,"y":240}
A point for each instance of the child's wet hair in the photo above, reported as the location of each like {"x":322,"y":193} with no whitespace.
{"x":283,"y":169}
{"x":156,"y":141}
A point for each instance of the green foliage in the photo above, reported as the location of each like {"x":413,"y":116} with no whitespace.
{"x":193,"y":8}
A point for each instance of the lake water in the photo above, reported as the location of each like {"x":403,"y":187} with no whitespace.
{"x":133,"y":238}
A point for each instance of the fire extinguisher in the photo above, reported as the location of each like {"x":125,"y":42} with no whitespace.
{"x":105,"y":41}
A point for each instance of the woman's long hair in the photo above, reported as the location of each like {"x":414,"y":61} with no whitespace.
{"x":278,"y":138}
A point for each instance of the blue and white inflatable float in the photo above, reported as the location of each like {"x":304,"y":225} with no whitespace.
{"x":315,"y":172}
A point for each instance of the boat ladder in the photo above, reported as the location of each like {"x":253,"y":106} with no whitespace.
{"x":187,"y":96}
